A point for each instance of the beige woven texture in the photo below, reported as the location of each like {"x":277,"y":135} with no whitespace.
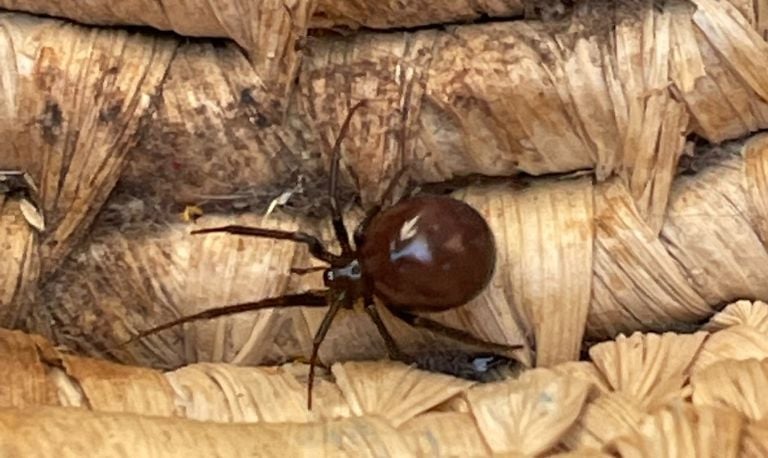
{"x":641,"y":224}
{"x":648,"y":394}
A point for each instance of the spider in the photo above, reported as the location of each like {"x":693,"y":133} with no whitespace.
{"x":420,"y":254}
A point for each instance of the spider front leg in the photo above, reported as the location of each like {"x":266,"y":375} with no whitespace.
{"x":336,"y":217}
{"x":456,"y":334}
{"x":359,"y":235}
{"x":306,"y":270}
{"x":316,"y":247}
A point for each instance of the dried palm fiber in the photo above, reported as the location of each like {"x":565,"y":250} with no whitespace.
{"x":69,"y":129}
{"x":549,"y":67}
{"x":249,"y":22}
{"x":644,"y":401}
{"x":615,"y":275}
{"x":180,"y":153}
{"x":270,"y":31}
{"x":640,"y":395}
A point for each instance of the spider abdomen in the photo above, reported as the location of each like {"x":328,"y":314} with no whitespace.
{"x":428,"y":253}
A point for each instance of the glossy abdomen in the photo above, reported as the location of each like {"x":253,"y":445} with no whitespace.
{"x":428,"y":253}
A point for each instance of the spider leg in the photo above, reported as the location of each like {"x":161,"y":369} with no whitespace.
{"x":312,"y":298}
{"x":456,"y":334}
{"x":336,"y":217}
{"x":389,"y":191}
{"x":373,"y":211}
{"x":393,"y":350}
{"x":335,"y":305}
{"x":316,"y":247}
{"x":306,"y":270}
